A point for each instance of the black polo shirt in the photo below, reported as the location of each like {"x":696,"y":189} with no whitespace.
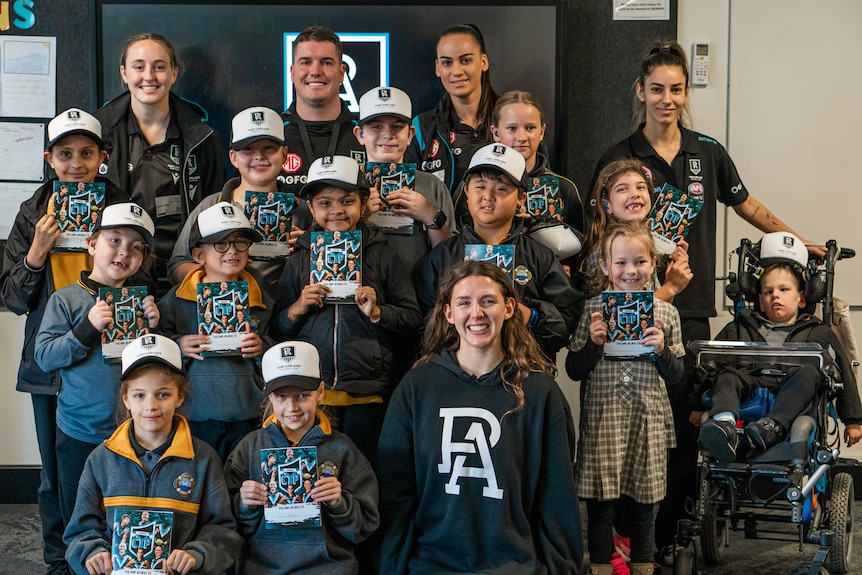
{"x":702,"y":166}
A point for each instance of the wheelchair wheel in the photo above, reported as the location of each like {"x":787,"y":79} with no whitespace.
{"x":803,"y":568}
{"x":714,"y":531}
{"x":841,"y":522}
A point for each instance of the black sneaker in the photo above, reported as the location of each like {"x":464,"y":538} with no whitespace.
{"x":720,"y":439}
{"x":764,"y":433}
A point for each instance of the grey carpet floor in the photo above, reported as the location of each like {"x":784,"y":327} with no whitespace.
{"x":21,"y":548}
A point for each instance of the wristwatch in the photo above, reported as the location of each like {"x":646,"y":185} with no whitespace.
{"x":439,"y":221}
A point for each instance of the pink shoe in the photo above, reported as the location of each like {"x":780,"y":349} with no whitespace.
{"x":619,"y":565}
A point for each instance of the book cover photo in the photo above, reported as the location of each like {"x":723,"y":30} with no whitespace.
{"x":140,"y":541}
{"x":76,"y":206}
{"x":628,"y":314}
{"x":544,"y":199}
{"x":271,"y":214}
{"x":128,"y":320}
{"x":336,"y":261}
{"x":388,"y":177}
{"x":501,"y":255}
{"x":290,"y":474}
{"x":672,"y":214}
{"x":223,"y":316}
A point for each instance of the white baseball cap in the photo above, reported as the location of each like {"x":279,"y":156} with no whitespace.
{"x":782,"y":247}
{"x":338,"y":171}
{"x":501,"y":158}
{"x":385,"y":101}
{"x":74,"y":121}
{"x":254,"y":124}
{"x":128,"y":215}
{"x":152,"y":348}
{"x":219,"y":221}
{"x":291,"y":364}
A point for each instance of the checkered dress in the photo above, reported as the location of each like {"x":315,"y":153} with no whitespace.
{"x":626,"y":421}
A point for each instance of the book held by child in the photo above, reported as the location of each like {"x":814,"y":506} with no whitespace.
{"x":76,"y":208}
{"x":628,"y":315}
{"x":141,"y":541}
{"x":501,"y":255}
{"x":388,"y":177}
{"x":336,"y":261}
{"x":271,"y":214}
{"x":290,"y":474}
{"x":672,"y":214}
{"x":128,"y":319}
{"x":222,"y":315}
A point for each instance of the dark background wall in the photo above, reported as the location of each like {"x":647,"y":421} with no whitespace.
{"x":598,"y":68}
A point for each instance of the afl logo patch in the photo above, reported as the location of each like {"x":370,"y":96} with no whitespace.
{"x":435,"y":147}
{"x":292,"y":163}
{"x":695,"y":189}
{"x":523,"y":275}
{"x":184,"y":484}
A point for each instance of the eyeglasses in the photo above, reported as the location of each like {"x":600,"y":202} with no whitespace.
{"x":240,"y":245}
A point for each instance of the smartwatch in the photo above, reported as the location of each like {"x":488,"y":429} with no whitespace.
{"x":439,"y":221}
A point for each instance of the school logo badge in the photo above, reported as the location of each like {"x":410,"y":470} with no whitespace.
{"x":227,"y":210}
{"x":136,"y":211}
{"x":292,"y":163}
{"x":184,"y":484}
{"x":366,"y":62}
{"x":694,"y":166}
{"x":458,"y":458}
{"x":257,"y":118}
{"x":384,"y":94}
{"x":328,"y":469}
{"x":523,"y":275}
{"x":695,"y":189}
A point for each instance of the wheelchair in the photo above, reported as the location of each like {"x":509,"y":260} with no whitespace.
{"x":794,"y":481}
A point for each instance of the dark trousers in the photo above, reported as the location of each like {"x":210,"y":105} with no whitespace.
{"x":795,"y":391}
{"x":681,"y":460}
{"x":640,"y":523}
{"x":223,"y":436}
{"x":48,"y":495}
{"x":71,"y":457}
{"x":362,"y":424}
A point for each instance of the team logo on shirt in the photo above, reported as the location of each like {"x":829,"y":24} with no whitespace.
{"x":694,"y":166}
{"x":523,"y":275}
{"x":184,"y":484}
{"x":292,"y":163}
{"x":451,"y":137}
{"x":435,"y":147}
{"x":175,"y":154}
{"x":193,"y":164}
{"x":483,"y":433}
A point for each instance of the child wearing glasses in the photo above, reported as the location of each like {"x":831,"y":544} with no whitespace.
{"x":219,"y":241}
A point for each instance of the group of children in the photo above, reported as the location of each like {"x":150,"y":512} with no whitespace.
{"x":326,"y":373}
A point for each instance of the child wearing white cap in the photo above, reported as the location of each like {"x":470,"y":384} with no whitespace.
{"x":384,"y":129}
{"x":153,"y":453}
{"x":227,"y":408}
{"x":495,"y":189}
{"x":69,"y":340}
{"x":356,"y":340}
{"x":347,"y":491}
{"x":31,"y":273}
{"x":257,"y":151}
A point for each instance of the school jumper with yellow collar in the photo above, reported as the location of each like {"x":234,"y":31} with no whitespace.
{"x":328,"y":550}
{"x":187,"y":480}
{"x":223,"y":388}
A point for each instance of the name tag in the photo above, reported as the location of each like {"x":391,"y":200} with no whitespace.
{"x":167,"y":206}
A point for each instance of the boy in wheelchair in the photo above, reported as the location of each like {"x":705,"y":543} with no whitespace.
{"x":781,"y":296}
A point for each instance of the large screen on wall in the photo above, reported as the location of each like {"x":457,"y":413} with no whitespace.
{"x":234,"y":56}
